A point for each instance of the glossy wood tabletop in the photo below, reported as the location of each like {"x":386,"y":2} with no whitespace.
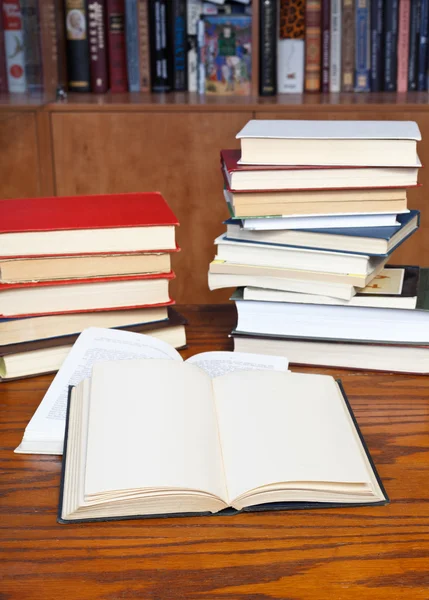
{"x":363,"y":553}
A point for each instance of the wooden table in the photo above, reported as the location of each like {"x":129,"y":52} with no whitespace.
{"x":362,"y":553}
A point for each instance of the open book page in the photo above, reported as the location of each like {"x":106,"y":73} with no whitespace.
{"x":219,"y":363}
{"x":93,"y":345}
{"x":152,"y":424}
{"x":284,"y":427}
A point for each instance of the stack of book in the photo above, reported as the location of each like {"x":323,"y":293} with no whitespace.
{"x":317,"y":208}
{"x":75,"y":262}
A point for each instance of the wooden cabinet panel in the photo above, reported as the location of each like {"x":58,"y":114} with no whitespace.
{"x":416,"y":249}
{"x":174,"y":153}
{"x":19,"y":167}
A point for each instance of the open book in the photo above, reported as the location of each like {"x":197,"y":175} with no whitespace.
{"x":160,"y":437}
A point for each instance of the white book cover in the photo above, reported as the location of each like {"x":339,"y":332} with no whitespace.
{"x":290,"y":66}
{"x":194,"y":10}
{"x":335,"y":50}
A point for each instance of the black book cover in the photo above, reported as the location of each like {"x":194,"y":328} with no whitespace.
{"x":268,"y":48}
{"x":160,"y":68}
{"x":32,"y":45}
{"x":376,"y":21}
{"x":390,"y":45}
{"x":413,"y":44}
{"x":77,"y":45}
{"x":178,"y":57}
{"x":422,"y":61}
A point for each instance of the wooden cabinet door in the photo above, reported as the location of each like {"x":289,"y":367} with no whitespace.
{"x":176,"y":153}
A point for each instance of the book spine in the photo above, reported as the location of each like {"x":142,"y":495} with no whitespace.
{"x":49,"y":45}
{"x":159,"y":72}
{"x":313,"y":35}
{"x":390,"y":45}
{"x":32,"y":48}
{"x":77,"y":46}
{"x":326,"y":34}
{"x":422,"y":62}
{"x":336,"y":48}
{"x":403,"y":45}
{"x":268,"y":47}
{"x":414,"y":44}
{"x":14,"y":46}
{"x":362,"y":49}
{"x":144,"y":52}
{"x":290,"y":48}
{"x":116,"y":45}
{"x":201,"y":45}
{"x":97,"y":46}
{"x":176,"y":19}
{"x":3,"y":72}
{"x":194,"y":11}
{"x":347,"y":45}
{"x":376,"y":49}
{"x":132,"y":47}
{"x":59,"y":48}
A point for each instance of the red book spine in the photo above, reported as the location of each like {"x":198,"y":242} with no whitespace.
{"x":117,"y":48}
{"x":313,"y":44}
{"x":326,"y":43}
{"x":403,"y":45}
{"x":97,"y":46}
{"x":3,"y":72}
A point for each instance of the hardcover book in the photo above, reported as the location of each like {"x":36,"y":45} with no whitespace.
{"x":194,"y":11}
{"x":268,"y":48}
{"x":414,"y":35}
{"x":390,"y":45}
{"x":117,"y":45}
{"x":76,"y":16}
{"x":132,"y":45}
{"x":362,"y":57}
{"x":14,"y":46}
{"x":177,"y":31}
{"x":160,"y":53}
{"x":143,"y":41}
{"x":326,"y":43}
{"x":377,"y":14}
{"x":291,"y":47}
{"x":32,"y":48}
{"x":403,"y":45}
{"x":347,"y":45}
{"x":313,"y":45}
{"x":98,"y":46}
{"x":335,"y":47}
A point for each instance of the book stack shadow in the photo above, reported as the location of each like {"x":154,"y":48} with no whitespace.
{"x":68,"y":263}
{"x":317,"y":209}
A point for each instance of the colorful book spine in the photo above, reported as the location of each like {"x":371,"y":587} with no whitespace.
{"x":268,"y":47}
{"x":336,"y":47}
{"x":144,"y":52}
{"x":414,"y":44}
{"x":194,"y":11}
{"x":97,"y":46}
{"x":376,"y":47}
{"x":3,"y":72}
{"x":290,"y":48}
{"x":362,"y":50}
{"x":32,"y":47}
{"x":14,"y":46}
{"x":422,"y":63}
{"x":347,"y":45}
{"x":132,"y":45}
{"x":77,"y":46}
{"x":313,"y":35}
{"x":403,"y":45}
{"x":159,"y":48}
{"x":326,"y":44}
{"x":390,"y":45}
{"x":49,"y":44}
{"x":116,"y":44}
{"x":176,"y":21}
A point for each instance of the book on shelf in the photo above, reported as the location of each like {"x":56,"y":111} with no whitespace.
{"x":117,"y":45}
{"x":144,"y":43}
{"x":78,"y":61}
{"x":43,"y":356}
{"x":3,"y":70}
{"x":132,"y":45}
{"x":300,"y":447}
{"x":268,"y":28}
{"x":362,"y":54}
{"x":32,"y":45}
{"x":291,"y":47}
{"x":313,"y":45}
{"x":14,"y":46}
{"x":98,"y":46}
{"x":376,"y":33}
{"x":178,"y":33}
{"x":335,"y":50}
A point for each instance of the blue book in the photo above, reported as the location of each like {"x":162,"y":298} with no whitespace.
{"x":132,"y":45}
{"x":376,"y":44}
{"x":362,"y":56}
{"x":370,"y":241}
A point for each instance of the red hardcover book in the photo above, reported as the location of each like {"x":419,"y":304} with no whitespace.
{"x":313,"y":45}
{"x":97,"y":46}
{"x":3,"y":72}
{"x":403,"y":45}
{"x":117,"y":47}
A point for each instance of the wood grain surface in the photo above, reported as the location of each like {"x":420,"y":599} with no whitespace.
{"x":336,"y":554}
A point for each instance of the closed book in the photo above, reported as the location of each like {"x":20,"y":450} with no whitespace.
{"x":132,"y":45}
{"x":335,"y":60}
{"x":326,"y":43}
{"x":77,"y":43}
{"x":403,"y":45}
{"x":32,"y":46}
{"x":98,"y":46}
{"x":117,"y":46}
{"x":347,"y":45}
{"x":177,"y":28}
{"x":313,"y":45}
{"x":422,"y":62}
{"x":160,"y":68}
{"x":362,"y":49}
{"x":194,"y":11}
{"x":414,"y":45}
{"x":377,"y":13}
{"x":268,"y":47}
{"x":14,"y":46}
{"x":3,"y":72}
{"x":391,"y":15}
{"x":144,"y":51}
{"x":291,"y":47}
{"x":51,"y":18}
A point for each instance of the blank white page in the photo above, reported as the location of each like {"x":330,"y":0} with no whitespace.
{"x":278,"y":427}
{"x":152,"y":424}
